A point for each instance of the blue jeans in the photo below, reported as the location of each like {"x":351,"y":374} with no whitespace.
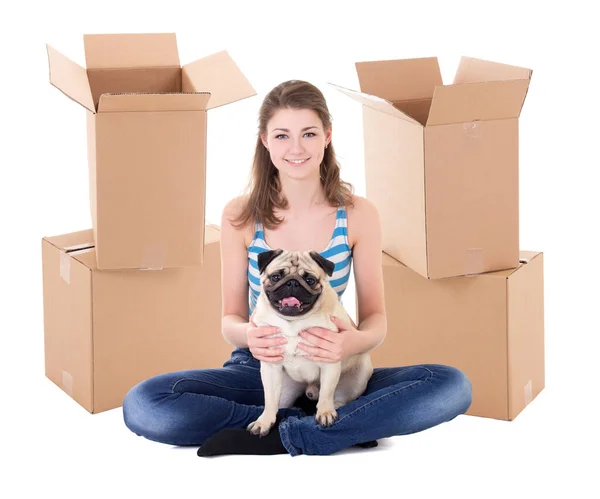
{"x":187,"y":407}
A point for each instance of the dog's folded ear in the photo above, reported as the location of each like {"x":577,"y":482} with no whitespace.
{"x":327,"y":265}
{"x":266,"y":257}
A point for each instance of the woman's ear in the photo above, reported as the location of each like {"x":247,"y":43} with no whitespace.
{"x":265,"y":143}
{"x":328,"y":136}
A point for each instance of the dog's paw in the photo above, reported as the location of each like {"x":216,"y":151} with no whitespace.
{"x":261,"y":426}
{"x":326,"y":417}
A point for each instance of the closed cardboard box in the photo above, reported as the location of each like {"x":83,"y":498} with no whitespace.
{"x":490,"y":326}
{"x":107,"y":330}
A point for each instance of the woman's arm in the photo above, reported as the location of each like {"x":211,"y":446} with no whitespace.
{"x":234,"y":278}
{"x":364,"y":226}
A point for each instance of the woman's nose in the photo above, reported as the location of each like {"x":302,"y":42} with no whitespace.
{"x":297,"y":147}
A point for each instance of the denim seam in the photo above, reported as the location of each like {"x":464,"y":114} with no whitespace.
{"x":362,"y":407}
{"x":285,"y":438}
{"x":395,"y":374}
{"x":213,"y":384}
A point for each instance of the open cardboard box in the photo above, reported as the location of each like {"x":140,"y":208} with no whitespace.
{"x":146,"y":127}
{"x":441,"y":162}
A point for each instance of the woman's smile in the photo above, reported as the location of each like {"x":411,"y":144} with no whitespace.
{"x":297,"y":162}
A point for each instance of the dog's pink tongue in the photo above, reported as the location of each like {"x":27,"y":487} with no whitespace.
{"x":290,"y":301}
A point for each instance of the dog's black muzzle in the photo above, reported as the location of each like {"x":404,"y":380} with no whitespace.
{"x":291,"y":287}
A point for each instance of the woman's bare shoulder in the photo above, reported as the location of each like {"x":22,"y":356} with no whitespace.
{"x":232,"y":210}
{"x":361,"y":216}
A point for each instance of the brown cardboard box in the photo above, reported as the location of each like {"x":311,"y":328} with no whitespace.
{"x":441,"y":162}
{"x":491,"y":326}
{"x":146,"y":125}
{"x":107,"y":330}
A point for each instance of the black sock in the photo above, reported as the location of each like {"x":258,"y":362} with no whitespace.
{"x":367,"y":445}
{"x":241,"y":441}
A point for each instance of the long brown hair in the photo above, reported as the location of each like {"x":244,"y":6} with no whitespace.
{"x":263,"y":193}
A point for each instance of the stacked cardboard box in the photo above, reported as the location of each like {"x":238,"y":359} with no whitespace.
{"x":105,"y":330}
{"x":139,"y":293}
{"x":441,"y":166}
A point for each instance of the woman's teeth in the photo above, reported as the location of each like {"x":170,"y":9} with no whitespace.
{"x":296,"y":161}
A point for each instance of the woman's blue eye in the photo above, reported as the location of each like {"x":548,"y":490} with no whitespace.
{"x":307,"y":134}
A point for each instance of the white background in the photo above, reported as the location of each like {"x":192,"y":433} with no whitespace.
{"x":53,"y":447}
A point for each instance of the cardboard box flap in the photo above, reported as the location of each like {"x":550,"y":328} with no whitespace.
{"x":219,"y":75}
{"x":73,"y":241}
{"x":524,"y":258}
{"x":387,"y":260}
{"x":113,"y":103}
{"x":404,"y":79}
{"x":86,"y":256}
{"x":212,"y":234}
{"x":376,"y":103}
{"x":70,"y":78}
{"x":477,"y":101}
{"x":471,"y":70}
{"x":527,"y":256}
{"x":120,"y":51}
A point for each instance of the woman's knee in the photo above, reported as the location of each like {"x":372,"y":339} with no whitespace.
{"x":145,"y":409}
{"x":456,"y":388}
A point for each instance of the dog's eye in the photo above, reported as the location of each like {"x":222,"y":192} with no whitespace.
{"x":310,"y":281}
{"x":275,"y":277}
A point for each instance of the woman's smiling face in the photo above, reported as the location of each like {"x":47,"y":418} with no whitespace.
{"x":296,"y":142}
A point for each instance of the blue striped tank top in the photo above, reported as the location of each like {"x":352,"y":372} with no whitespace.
{"x":338,"y":251}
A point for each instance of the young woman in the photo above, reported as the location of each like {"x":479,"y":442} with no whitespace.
{"x":297,"y":202}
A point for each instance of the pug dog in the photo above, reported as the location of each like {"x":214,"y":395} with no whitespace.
{"x":296,"y":295}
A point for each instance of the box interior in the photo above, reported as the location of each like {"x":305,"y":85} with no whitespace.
{"x":417,"y":109}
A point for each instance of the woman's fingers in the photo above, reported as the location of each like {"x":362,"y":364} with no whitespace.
{"x":270,"y":342}
{"x":268,"y":352}
{"x":268,"y":359}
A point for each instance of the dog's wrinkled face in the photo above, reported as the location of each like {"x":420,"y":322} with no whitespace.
{"x":293,"y":281}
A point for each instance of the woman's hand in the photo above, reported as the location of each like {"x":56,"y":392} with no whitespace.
{"x":265,"y":349}
{"x":329,"y":345}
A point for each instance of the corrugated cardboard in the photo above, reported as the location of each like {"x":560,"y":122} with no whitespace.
{"x":491,"y":326}
{"x":441,"y":162}
{"x":146,"y":124}
{"x":105,"y":331}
